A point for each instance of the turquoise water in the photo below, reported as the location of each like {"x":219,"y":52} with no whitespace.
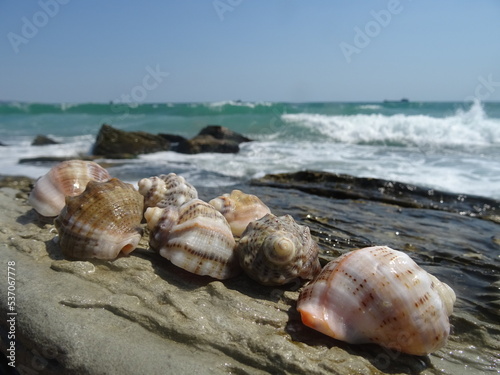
{"x":452,"y":146}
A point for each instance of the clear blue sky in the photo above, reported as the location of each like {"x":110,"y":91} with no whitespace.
{"x":255,"y":50}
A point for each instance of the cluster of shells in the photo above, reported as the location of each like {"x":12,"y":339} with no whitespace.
{"x":370,"y":295}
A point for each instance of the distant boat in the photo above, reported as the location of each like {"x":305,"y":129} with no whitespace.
{"x":404,"y":100}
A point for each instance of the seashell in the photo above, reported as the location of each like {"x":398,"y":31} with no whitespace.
{"x":379,"y":295}
{"x":276,"y":250}
{"x":102,"y":221}
{"x":68,"y":178}
{"x":195,"y":237}
{"x":240,"y":209}
{"x":165,"y":190}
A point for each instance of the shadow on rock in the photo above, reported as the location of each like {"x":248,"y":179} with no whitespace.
{"x":386,"y":360}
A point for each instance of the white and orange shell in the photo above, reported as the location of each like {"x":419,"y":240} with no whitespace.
{"x":166,"y":190}
{"x":240,"y":209}
{"x":195,"y":237}
{"x":102,"y":221}
{"x":276,"y":250}
{"x":66,"y":179}
{"x":379,"y":295}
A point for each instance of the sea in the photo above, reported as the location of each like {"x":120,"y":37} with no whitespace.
{"x":450,"y":146}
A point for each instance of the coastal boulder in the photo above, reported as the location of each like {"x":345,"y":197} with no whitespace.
{"x":213,"y":138}
{"x":207,"y":143}
{"x":115,"y":143}
{"x":221,"y":132}
{"x":42,"y":140}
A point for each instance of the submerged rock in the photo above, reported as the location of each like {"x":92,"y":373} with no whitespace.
{"x":115,"y":143}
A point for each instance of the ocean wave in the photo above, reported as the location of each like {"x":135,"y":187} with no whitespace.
{"x":120,"y":108}
{"x":238,"y":103}
{"x":370,"y":106}
{"x":464,"y":128}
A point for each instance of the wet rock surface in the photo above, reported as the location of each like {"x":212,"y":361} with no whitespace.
{"x":341,"y":186}
{"x":141,"y":314}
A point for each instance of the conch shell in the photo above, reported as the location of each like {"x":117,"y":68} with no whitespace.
{"x":68,"y":178}
{"x":379,"y":295}
{"x":240,"y":209}
{"x":195,"y":237}
{"x":166,"y":190}
{"x":276,"y":250}
{"x":102,"y":221}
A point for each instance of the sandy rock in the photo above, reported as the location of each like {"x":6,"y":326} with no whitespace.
{"x":141,"y":315}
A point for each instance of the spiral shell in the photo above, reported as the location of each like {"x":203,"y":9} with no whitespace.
{"x":68,"y":178}
{"x":379,"y":295}
{"x":195,"y":237}
{"x":276,"y":250}
{"x":166,"y":190}
{"x":102,"y":221}
{"x":240,"y":209}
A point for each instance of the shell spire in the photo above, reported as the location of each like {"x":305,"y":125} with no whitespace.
{"x":276,"y":250}
{"x":66,"y":179}
{"x":166,"y":190}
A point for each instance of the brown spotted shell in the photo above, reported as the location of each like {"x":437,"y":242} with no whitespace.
{"x":102,"y":221}
{"x":66,"y":179}
{"x":379,"y":295}
{"x":166,"y":190}
{"x":240,"y":209}
{"x":195,"y":237}
{"x":276,"y":250}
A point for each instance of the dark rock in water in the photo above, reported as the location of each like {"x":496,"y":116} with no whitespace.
{"x":220,"y":132}
{"x":42,"y":140}
{"x":172,"y":138}
{"x":213,"y":138}
{"x":115,"y":143}
{"x":341,"y":186}
{"x":54,"y":159}
{"x":207,"y":143}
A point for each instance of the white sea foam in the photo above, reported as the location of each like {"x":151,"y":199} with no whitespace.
{"x":238,"y":103}
{"x":471,"y":128}
{"x":459,"y":153}
{"x":370,"y":106}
